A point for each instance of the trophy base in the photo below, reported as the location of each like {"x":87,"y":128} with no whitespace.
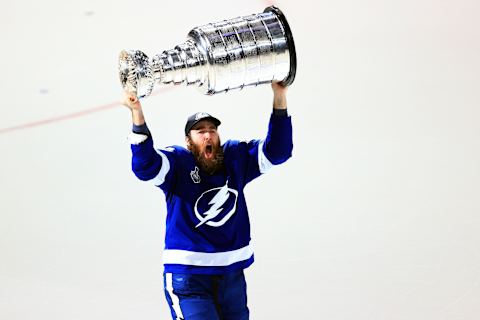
{"x":291,"y":45}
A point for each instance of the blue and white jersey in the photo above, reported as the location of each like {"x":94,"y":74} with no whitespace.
{"x":207,"y":224}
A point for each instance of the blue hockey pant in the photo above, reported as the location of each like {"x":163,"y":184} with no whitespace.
{"x":207,"y":297}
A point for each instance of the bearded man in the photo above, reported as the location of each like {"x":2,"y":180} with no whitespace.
{"x":207,"y":240}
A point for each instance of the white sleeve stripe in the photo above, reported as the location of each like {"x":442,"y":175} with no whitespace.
{"x":160,"y":178}
{"x":136,"y":138}
{"x":263,"y":163}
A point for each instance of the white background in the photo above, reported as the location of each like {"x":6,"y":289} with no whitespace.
{"x":375,"y":217}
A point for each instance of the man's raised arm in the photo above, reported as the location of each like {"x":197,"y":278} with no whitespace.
{"x":278,"y":143}
{"x":146,"y":162}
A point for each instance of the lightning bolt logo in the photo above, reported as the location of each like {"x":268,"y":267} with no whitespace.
{"x":216,"y":204}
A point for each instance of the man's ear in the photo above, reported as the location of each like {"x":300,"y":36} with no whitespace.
{"x":187,"y":141}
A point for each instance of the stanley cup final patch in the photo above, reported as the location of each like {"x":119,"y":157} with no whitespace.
{"x":195,"y":174}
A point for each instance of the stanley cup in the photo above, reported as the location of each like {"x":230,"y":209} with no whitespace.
{"x":218,"y":57}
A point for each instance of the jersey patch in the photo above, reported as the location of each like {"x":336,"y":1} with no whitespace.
{"x":195,"y":174}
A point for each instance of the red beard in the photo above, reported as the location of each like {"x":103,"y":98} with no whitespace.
{"x":209,"y":158}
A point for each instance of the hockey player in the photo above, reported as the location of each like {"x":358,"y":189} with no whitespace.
{"x":207,"y":241}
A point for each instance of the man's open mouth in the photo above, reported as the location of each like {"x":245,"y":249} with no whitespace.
{"x":208,"y":151}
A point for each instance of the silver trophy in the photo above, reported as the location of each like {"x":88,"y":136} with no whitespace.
{"x":218,"y":57}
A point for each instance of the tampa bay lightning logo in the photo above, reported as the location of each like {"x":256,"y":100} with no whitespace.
{"x":215,"y":206}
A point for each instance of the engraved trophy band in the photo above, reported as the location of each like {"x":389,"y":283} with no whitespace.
{"x":218,"y":57}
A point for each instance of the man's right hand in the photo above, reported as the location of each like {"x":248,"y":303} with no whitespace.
{"x":130,"y":101}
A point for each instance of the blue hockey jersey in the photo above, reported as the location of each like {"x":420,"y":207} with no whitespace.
{"x":207,"y":224}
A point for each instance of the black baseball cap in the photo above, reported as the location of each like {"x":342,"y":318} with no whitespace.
{"x":196,"y":118}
